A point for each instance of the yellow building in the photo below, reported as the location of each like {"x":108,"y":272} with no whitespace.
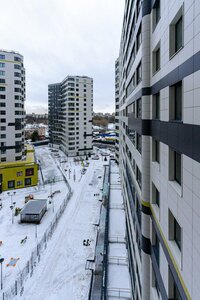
{"x":19,"y":174}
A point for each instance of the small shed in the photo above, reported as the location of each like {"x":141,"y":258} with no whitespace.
{"x":33,"y":211}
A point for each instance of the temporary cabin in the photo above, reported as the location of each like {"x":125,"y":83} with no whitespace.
{"x":33,"y":211}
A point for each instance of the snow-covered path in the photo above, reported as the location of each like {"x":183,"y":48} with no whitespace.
{"x":61,"y":273}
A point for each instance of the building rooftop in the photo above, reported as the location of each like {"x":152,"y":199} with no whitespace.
{"x":10,"y":51}
{"x":29,"y":159}
{"x":33,"y":207}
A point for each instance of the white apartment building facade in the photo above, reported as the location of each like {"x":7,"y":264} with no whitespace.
{"x":159,"y":157}
{"x":70,"y":115}
{"x":12,"y":113}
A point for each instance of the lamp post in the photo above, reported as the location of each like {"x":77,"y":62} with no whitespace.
{"x":12,"y":207}
{"x":1,"y":262}
{"x":11,"y":195}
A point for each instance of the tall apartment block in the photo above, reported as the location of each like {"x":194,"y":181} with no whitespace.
{"x":12,"y":97}
{"x":18,"y":167}
{"x":159,"y":146}
{"x":70,"y":114}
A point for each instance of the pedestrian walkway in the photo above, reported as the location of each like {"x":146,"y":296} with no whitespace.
{"x":118,"y":285}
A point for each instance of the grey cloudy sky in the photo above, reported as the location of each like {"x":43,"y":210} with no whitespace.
{"x":61,"y":37}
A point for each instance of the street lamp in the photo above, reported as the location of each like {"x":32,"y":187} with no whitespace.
{"x":11,"y":195}
{"x":1,"y":262}
{"x":12,"y":207}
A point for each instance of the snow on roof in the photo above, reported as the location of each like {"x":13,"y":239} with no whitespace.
{"x":33,"y":207}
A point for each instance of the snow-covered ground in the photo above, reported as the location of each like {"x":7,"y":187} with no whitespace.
{"x":61,"y":272}
{"x":118,"y":271}
{"x":12,"y":234}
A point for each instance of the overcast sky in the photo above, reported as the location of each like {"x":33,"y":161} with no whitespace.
{"x":61,"y":37}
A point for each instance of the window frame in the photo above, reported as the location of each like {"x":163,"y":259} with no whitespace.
{"x":173,"y":32}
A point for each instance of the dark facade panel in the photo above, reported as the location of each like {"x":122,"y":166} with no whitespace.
{"x":183,"y":138}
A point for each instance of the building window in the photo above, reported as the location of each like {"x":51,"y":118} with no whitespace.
{"x":139,"y":38}
{"x":2,"y":73}
{"x":16,"y":74}
{"x":3,"y":159}
{"x":155,"y":196}
{"x":131,"y":134}
{"x":17,"y":58}
{"x":11,"y":184}
{"x":20,"y":173}
{"x":139,"y":73}
{"x":138,"y":210}
{"x":19,"y":183}
{"x":156,"y":13}
{"x":138,"y":177}
{"x":178,"y":101}
{"x":2,"y":65}
{"x":30,"y":172}
{"x":179,"y":34}
{"x":18,"y":158}
{"x":139,"y":142}
{"x":176,"y":33}
{"x":130,"y":86}
{"x":156,"y":106}
{"x":175,"y":104}
{"x":175,"y":231}
{"x":18,"y":67}
{"x":139,"y":108}
{"x":177,"y":234}
{"x":156,"y":59}
{"x":2,"y":56}
{"x":175,"y":166}
{"x":27,"y":181}
{"x":155,"y":150}
{"x":17,"y":82}
{"x":173,"y":291}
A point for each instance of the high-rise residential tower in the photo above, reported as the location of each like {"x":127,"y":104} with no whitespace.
{"x":12,"y":97}
{"x":70,"y":114}
{"x":159,"y":157}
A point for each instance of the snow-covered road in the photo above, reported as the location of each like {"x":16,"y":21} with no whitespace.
{"x":61,"y":272}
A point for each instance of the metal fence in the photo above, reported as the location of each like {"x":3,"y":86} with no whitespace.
{"x":17,"y":288}
{"x":53,"y":180}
